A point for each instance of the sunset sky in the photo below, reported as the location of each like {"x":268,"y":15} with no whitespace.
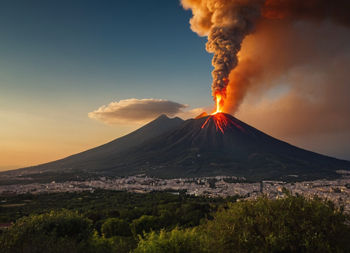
{"x":77,"y":74}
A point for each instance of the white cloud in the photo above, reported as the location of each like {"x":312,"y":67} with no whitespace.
{"x":136,"y":110}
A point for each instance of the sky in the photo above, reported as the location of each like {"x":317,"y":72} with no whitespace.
{"x":66,"y":64}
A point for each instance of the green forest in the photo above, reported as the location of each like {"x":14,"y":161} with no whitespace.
{"x":111,"y":221}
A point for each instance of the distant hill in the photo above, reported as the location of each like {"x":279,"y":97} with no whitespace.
{"x":212,"y":145}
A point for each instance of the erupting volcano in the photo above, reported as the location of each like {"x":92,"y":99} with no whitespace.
{"x":220,"y":120}
{"x":227,"y":24}
{"x":209,"y":145}
{"x":219,"y":143}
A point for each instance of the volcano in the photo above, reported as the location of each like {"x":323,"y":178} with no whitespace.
{"x":211,"y":145}
{"x":220,"y":144}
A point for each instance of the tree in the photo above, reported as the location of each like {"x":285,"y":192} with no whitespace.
{"x":145,"y":223}
{"x":57,"y":231}
{"x":175,"y":241}
{"x":291,"y":224}
{"x":115,"y":227}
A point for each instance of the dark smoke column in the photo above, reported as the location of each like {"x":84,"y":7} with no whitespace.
{"x":225,"y":23}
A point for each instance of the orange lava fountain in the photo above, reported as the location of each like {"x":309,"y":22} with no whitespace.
{"x":221,"y":121}
{"x":219,"y":103}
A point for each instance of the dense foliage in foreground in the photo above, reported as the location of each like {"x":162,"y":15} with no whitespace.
{"x":291,"y":224}
{"x":116,"y":217}
{"x":102,"y":204}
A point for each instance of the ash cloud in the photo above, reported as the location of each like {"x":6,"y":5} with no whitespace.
{"x":313,"y":10}
{"x":302,"y":45}
{"x":227,"y":23}
{"x":135,"y":110}
{"x":312,"y":61}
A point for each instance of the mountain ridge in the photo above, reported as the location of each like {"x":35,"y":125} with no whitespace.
{"x":157,"y":126}
{"x":210,"y":145}
{"x":193,"y":150}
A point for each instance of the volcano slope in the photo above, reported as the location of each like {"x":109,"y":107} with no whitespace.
{"x":90,"y":162}
{"x":212,"y":145}
{"x":220,"y":144}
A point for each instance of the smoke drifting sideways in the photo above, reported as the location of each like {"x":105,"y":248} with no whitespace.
{"x":227,"y":23}
{"x":293,"y":80}
{"x":297,"y":85}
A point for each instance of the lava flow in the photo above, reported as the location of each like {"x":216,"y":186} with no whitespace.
{"x":221,"y":121}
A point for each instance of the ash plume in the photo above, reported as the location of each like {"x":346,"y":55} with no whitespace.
{"x":315,"y":10}
{"x":226,"y":23}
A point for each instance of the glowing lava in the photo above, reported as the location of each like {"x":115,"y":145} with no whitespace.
{"x":222,"y":122}
{"x":219,"y":103}
{"x":219,"y":98}
{"x":220,"y":119}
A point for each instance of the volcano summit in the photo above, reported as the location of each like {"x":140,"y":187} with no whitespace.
{"x":212,"y":145}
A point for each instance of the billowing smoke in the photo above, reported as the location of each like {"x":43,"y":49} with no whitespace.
{"x":226,"y":23}
{"x":297,"y":84}
{"x":315,"y":10}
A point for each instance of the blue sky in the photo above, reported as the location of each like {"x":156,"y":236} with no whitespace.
{"x":61,"y":60}
{"x":91,"y":52}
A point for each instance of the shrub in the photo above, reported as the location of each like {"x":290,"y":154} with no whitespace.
{"x":115,"y":227}
{"x":145,"y":223}
{"x":175,"y":241}
{"x":291,"y":224}
{"x":57,"y":231}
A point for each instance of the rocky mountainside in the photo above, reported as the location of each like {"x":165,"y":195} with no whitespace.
{"x":222,"y":145}
{"x":211,"y":145}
